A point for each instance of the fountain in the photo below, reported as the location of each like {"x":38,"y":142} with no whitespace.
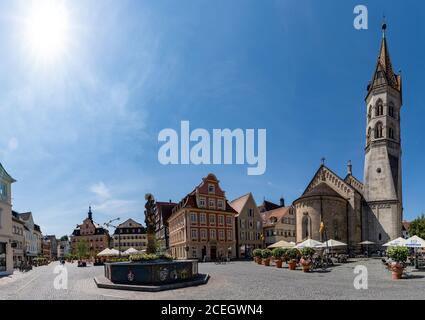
{"x":151,"y":272}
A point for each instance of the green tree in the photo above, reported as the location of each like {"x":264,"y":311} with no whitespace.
{"x":417,"y":227}
{"x":65,"y":238}
{"x":82,"y":249}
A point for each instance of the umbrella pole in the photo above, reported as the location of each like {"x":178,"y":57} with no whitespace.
{"x":416,"y":260}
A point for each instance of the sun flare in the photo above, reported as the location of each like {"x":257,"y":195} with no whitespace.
{"x":47,"y":28}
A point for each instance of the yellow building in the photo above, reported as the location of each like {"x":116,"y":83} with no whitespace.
{"x":279,"y":224}
{"x":248,"y":225}
{"x":130,"y":234}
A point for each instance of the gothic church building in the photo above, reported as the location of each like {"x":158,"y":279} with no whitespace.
{"x":353,"y":211}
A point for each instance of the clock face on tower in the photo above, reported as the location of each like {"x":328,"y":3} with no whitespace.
{"x":3,"y":191}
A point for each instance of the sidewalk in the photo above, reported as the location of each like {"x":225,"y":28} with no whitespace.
{"x":13,"y":277}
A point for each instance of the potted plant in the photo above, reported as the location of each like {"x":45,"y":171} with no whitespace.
{"x":399,"y":256}
{"x":306,"y":258}
{"x":266,"y":254}
{"x":293,"y":255}
{"x":278,"y":254}
{"x":257,"y":255}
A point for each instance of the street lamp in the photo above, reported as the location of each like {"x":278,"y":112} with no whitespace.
{"x":109,"y":225}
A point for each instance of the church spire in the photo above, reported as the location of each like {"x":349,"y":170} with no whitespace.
{"x":384,"y":72}
{"x":90,"y":214}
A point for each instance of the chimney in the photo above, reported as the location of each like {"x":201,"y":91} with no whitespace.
{"x":282,"y":202}
{"x":350,"y":168}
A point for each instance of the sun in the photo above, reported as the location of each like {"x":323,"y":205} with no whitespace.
{"x":47,"y":28}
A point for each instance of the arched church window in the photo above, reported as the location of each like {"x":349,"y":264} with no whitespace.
{"x":391,"y":133}
{"x":369,"y":113}
{"x":379,"y":131}
{"x":369,"y":134}
{"x":379,"y":108}
{"x":391,"y":110}
{"x":306,"y":227}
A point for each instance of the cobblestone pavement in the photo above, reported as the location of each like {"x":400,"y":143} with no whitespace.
{"x":237,"y":280}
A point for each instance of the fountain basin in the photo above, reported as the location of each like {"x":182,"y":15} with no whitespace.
{"x":152,"y":273}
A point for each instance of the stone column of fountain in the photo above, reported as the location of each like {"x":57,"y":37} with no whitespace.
{"x":150,"y":222}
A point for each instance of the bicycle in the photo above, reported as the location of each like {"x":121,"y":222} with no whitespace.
{"x":322,"y":263}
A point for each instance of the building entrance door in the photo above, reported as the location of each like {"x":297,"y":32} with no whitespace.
{"x":3,"y":265}
{"x":204,"y":253}
{"x":213,"y":253}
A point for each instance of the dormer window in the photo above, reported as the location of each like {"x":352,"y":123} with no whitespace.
{"x":211,"y":189}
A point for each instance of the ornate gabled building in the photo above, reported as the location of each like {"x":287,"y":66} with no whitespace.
{"x":202,"y":224}
{"x":351,"y":211}
{"x":95,"y":236}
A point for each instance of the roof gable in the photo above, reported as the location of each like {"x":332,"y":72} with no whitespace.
{"x":4,"y":175}
{"x":130,"y":223}
{"x":324,"y":174}
{"x":239,"y":203}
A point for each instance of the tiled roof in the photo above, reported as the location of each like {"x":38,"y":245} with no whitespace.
{"x":25,"y":216}
{"x":406,"y":225}
{"x":267,"y":206}
{"x":321,"y":189}
{"x":165,"y":209}
{"x":276,"y":213}
{"x":240,"y":202}
{"x":384,"y":72}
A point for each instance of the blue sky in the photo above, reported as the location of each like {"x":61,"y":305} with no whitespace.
{"x":83,"y":130}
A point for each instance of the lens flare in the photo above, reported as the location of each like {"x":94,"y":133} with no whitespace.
{"x":47,"y":28}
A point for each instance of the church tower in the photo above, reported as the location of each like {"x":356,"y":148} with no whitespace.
{"x":383,"y":207}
